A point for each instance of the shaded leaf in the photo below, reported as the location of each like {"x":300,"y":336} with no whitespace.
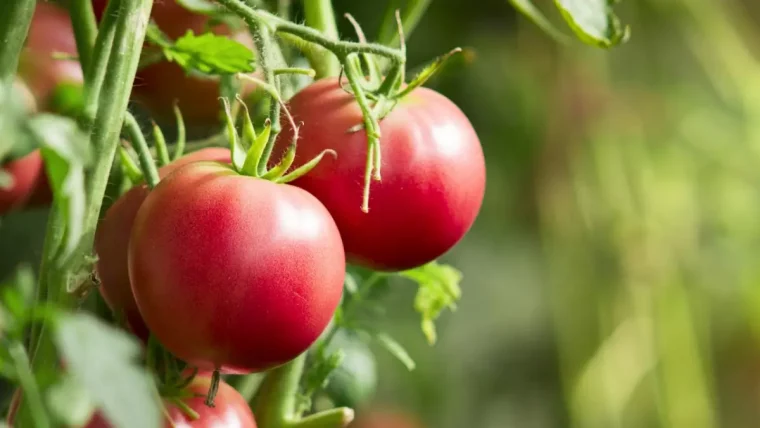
{"x":66,"y":154}
{"x":210,"y":54}
{"x":527,"y":8}
{"x":438,"y":290}
{"x":69,"y":401}
{"x":103,"y":360}
{"x":396,"y":350}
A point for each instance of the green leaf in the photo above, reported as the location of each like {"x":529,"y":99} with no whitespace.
{"x":438,"y":290}
{"x":527,"y":8}
{"x":210,"y":54}
{"x":103,"y":360}
{"x":396,"y":350}
{"x":594,"y":21}
{"x":69,"y":401}
{"x":66,"y":154}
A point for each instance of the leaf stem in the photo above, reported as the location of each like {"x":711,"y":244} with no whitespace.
{"x":410,"y":17}
{"x":85,"y":30}
{"x":147,"y":165}
{"x":14,"y":25}
{"x":320,"y":16}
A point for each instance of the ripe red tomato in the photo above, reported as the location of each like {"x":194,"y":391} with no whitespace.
{"x":112,"y":241}
{"x":50,"y":32}
{"x":230,"y":411}
{"x":234,"y":272}
{"x":27,"y":173}
{"x":433,"y":174}
{"x":159,"y":85}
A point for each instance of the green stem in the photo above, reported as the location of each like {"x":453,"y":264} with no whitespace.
{"x":410,"y":17}
{"x":14,"y":25}
{"x":275,"y":402}
{"x":28,"y":383}
{"x":96,"y":71}
{"x":85,"y":30}
{"x":131,"y":20}
{"x":147,"y":165}
{"x":333,"y":418}
{"x":320,"y":16}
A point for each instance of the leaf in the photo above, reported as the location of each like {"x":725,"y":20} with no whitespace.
{"x":236,"y":146}
{"x":210,"y":54}
{"x":66,"y":154}
{"x":527,"y":8}
{"x":70,"y":402}
{"x":438,"y":290}
{"x":396,"y":350}
{"x":594,"y":22}
{"x":103,"y":360}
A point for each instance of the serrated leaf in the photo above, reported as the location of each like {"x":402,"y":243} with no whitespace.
{"x":594,"y":21}
{"x":438,"y":290}
{"x":527,"y":8}
{"x":69,"y":401}
{"x":66,"y":154}
{"x":210,"y":54}
{"x":396,"y":350}
{"x":103,"y":360}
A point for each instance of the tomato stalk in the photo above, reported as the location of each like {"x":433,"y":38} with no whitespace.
{"x":124,"y":32}
{"x":319,"y":15}
{"x":14,"y":25}
{"x":147,"y":165}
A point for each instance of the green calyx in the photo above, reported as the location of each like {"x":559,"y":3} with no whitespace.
{"x":249,"y":152}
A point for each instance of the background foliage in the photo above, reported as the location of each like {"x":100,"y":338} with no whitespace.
{"x":611,"y":279}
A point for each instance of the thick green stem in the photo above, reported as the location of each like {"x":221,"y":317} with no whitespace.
{"x":96,"y":70}
{"x":85,"y":30}
{"x":14,"y":25}
{"x":121,"y":66}
{"x":320,"y":16}
{"x":275,"y":402}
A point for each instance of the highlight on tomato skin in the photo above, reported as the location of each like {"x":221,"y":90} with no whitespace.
{"x":112,"y":241}
{"x":433,"y":174}
{"x":232,"y":272}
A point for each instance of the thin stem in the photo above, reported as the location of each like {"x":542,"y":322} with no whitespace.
{"x":294,"y":70}
{"x":275,"y":402}
{"x":28,"y":383}
{"x":320,"y":16}
{"x":85,"y":30}
{"x":147,"y":165}
{"x":14,"y":25}
{"x":410,"y":17}
{"x":179,"y":149}
{"x":131,"y":22}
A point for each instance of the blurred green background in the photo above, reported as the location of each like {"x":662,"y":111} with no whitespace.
{"x":612,"y":277}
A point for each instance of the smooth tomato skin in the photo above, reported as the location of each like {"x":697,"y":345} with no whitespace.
{"x":50,"y":31}
{"x":230,"y":411}
{"x":433,"y":174}
{"x":233,"y":272}
{"x":112,"y":241}
{"x":26,"y":172}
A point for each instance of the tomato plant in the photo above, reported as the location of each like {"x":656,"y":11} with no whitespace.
{"x":233,"y":272}
{"x":112,"y":241}
{"x":433,"y":175}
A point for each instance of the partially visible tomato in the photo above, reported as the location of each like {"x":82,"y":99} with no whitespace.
{"x":234,"y":272}
{"x":433,"y":174}
{"x":159,"y":85}
{"x":230,"y":409}
{"x":353,"y":383}
{"x":26,"y":173}
{"x":50,"y":32}
{"x":112,"y":241}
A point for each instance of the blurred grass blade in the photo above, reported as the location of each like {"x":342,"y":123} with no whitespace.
{"x":594,"y":22}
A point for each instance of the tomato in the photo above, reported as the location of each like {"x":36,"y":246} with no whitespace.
{"x":159,"y":85}
{"x":26,"y":173}
{"x":50,"y":32}
{"x":234,"y":272}
{"x":112,"y":240}
{"x":230,"y":409}
{"x":433,"y":174}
